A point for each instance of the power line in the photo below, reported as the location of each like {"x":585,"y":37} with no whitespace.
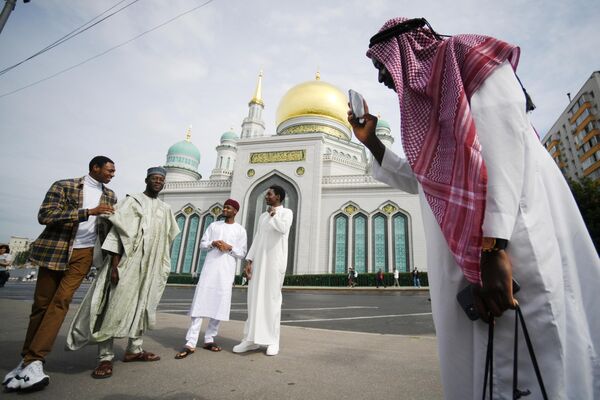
{"x":77,"y":31}
{"x":106,"y":51}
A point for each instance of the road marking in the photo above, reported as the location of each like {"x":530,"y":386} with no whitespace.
{"x":318,"y":308}
{"x":351,"y":318}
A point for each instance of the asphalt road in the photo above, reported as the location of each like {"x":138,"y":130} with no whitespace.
{"x":382,"y":311}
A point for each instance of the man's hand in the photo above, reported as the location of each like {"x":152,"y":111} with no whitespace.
{"x":496,"y":295}
{"x":221,"y":245}
{"x":248,"y":269}
{"x":271,"y":211}
{"x":114,"y":269}
{"x":365,"y":133}
{"x":101,"y":209}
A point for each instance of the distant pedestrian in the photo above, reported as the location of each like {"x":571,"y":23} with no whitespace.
{"x":351,"y":282}
{"x":5,"y":261}
{"x":379,"y":278}
{"x":415,"y":276}
{"x":396,"y":276}
{"x":64,"y":253}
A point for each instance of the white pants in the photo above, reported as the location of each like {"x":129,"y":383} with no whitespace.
{"x":106,"y":353}
{"x":194,"y":331}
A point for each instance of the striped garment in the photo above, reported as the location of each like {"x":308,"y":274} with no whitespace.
{"x":61,"y":212}
{"x":434,"y":79}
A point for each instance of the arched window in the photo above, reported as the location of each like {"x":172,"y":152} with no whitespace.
{"x":360,"y":242}
{"x":340,"y":234}
{"x":400,"y":234}
{"x":379,"y":243}
{"x":221,"y":162}
{"x":228,"y":160}
{"x":177,"y":243}
{"x":190,"y":244}
{"x":208,"y":219}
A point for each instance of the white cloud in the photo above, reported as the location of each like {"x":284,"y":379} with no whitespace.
{"x":135,"y":102}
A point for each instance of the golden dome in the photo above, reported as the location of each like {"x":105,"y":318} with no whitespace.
{"x":314,"y":98}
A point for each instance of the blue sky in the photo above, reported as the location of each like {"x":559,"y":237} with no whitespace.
{"x":135,"y":102}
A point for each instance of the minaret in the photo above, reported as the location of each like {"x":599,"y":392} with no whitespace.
{"x":253,"y":125}
{"x":226,"y":154}
{"x":384,"y":132}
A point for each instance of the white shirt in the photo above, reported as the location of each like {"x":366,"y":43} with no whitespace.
{"x":86,"y":232}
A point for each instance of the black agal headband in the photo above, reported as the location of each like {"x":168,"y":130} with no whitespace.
{"x":403,"y":27}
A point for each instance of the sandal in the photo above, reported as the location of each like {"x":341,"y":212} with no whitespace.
{"x":141,"y":356}
{"x":103,"y":370}
{"x":212,"y":347}
{"x":183,"y":353}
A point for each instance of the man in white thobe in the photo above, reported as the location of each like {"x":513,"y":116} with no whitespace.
{"x":225,"y":242}
{"x":531,"y":226}
{"x":122,"y":301}
{"x":265,"y":268}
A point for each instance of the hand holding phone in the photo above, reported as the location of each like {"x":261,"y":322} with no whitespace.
{"x":357,"y":105}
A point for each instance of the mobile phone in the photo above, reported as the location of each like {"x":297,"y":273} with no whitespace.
{"x":357,"y":105}
{"x":467,"y":301}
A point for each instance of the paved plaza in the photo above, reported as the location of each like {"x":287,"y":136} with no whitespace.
{"x":366,"y":357}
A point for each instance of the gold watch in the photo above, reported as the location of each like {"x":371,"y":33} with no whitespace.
{"x":489,"y":244}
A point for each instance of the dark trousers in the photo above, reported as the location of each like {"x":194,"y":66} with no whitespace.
{"x":54,"y":291}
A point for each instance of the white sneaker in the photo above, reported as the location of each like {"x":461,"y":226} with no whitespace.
{"x":13,"y":373}
{"x":245,"y":346}
{"x":31,"y":378}
{"x":273,"y":349}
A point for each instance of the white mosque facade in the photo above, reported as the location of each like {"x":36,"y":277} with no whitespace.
{"x":342,"y":216}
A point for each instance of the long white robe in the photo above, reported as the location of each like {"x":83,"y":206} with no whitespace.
{"x":553,"y":259}
{"x":213,"y":293}
{"x":143,"y":230}
{"x":268,"y":253}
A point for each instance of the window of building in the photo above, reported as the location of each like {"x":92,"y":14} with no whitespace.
{"x":400,"y":234}
{"x":379,"y":242}
{"x":360,"y":242}
{"x":340,"y":223}
{"x":190,"y":244}
{"x":176,"y":247}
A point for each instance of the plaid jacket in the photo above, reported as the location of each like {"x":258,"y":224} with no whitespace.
{"x":61,"y":212}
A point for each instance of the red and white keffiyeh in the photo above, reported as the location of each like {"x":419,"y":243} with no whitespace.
{"x":434,"y":79}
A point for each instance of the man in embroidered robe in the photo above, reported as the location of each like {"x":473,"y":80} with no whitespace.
{"x":122,"y":300}
{"x":265,"y":268}
{"x":64,"y":253}
{"x":225,"y":242}
{"x":495,"y":206}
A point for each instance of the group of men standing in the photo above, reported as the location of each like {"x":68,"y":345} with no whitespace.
{"x":130,"y":243}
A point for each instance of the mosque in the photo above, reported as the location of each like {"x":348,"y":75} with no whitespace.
{"x":342,"y":216}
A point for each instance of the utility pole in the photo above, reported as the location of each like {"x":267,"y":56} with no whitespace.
{"x":9,"y":5}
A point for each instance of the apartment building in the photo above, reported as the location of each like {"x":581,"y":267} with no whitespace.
{"x":574,"y":139}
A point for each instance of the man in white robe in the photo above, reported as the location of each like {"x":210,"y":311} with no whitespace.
{"x":265,"y":268}
{"x":122,"y":301}
{"x":225,"y":242}
{"x":529,"y":206}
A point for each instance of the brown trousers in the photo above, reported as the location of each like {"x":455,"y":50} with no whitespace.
{"x":53,"y":294}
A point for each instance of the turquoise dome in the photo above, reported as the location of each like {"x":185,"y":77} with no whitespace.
{"x":183,"y":155}
{"x":228,"y":136}
{"x":382,"y":124}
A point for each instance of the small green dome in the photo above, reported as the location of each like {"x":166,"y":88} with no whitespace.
{"x":382,"y":124}
{"x":228,"y":136}
{"x":183,"y":155}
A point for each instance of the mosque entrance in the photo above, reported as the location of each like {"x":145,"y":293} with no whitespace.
{"x":257,"y":205}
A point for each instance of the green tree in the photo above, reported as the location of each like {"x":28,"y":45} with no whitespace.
{"x":587,"y":196}
{"x":21,"y":257}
